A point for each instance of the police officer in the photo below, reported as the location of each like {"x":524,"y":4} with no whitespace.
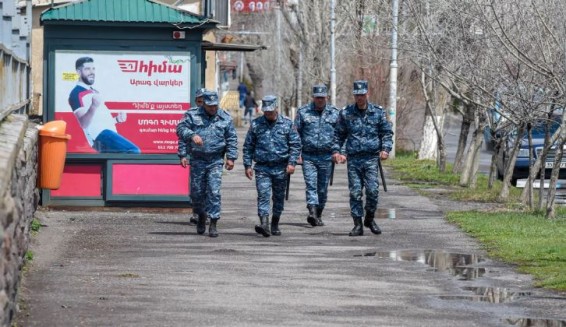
{"x":212,"y":137}
{"x":274,"y":145}
{"x":182,"y":149}
{"x":368,"y":136}
{"x":315,"y":123}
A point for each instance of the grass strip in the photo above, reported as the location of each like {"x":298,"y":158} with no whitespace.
{"x":535,"y":244}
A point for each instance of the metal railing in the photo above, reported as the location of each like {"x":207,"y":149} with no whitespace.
{"x":14,"y":84}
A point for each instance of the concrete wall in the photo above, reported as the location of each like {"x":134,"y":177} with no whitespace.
{"x":18,"y":201}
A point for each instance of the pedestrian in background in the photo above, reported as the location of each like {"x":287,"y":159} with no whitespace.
{"x":213,"y":143}
{"x":250,"y":104}
{"x":368,"y":136}
{"x":316,"y":123}
{"x":182,"y":147}
{"x":275,"y":146}
{"x":242,"y":90}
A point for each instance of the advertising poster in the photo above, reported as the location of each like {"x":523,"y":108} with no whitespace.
{"x":121,"y":102}
{"x":250,"y":6}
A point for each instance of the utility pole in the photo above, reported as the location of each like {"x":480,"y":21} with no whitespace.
{"x":393,"y":74}
{"x":299,"y":74}
{"x":242,"y":62}
{"x":277,"y":79}
{"x":300,"y":77}
{"x":332,"y":52}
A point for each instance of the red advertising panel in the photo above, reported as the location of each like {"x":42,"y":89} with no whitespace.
{"x":250,"y":6}
{"x":147,"y":179}
{"x":121,"y":102}
{"x":80,"y":180}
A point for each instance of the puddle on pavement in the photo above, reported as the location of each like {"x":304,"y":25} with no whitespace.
{"x":385,"y":213}
{"x":456,"y":264}
{"x":532,"y":322}
{"x":392,"y":213}
{"x":488,"y":295}
{"x":497,"y":294}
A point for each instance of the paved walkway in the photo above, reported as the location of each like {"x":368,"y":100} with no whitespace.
{"x":132,"y":267}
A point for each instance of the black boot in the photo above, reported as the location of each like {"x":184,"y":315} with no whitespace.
{"x":275,"y":226}
{"x":194,"y":219}
{"x":263,"y":227}
{"x":201,"y":223}
{"x":319,"y":221}
{"x":212,"y":232}
{"x":358,"y":229}
{"x":369,"y":222}
{"x":312,"y":214}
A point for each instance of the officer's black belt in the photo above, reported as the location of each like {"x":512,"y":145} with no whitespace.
{"x":207,"y":156}
{"x":361,"y":155}
{"x":272,"y":163}
{"x":318,"y":153}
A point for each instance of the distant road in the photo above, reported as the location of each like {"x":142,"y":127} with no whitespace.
{"x":452,"y":132}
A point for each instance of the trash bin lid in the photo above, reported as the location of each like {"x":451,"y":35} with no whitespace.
{"x":52,"y":128}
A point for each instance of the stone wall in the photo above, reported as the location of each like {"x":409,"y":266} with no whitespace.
{"x":19,"y":199}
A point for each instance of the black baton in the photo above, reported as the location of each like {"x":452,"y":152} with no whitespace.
{"x":332,"y":173}
{"x":287,"y":188}
{"x":381,"y":173}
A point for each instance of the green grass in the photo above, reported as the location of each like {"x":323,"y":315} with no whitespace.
{"x":423,"y":174}
{"x":537,"y":245}
{"x":516,"y":236}
{"x":28,"y":256}
{"x":35,"y":225}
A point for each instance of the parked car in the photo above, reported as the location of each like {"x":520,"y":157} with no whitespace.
{"x":521,"y":169}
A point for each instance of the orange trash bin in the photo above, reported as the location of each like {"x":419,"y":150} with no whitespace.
{"x":52,"y":152}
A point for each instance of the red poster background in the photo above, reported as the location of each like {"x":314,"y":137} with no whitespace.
{"x":153,"y":133}
{"x":250,"y":6}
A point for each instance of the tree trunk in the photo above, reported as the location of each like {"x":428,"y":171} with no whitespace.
{"x":493,"y":168}
{"x":441,"y":153}
{"x":509,"y":166}
{"x":550,"y":210}
{"x":429,"y":141}
{"x":469,"y":171}
{"x":467,"y":121}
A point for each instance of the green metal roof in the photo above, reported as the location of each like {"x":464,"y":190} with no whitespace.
{"x":121,"y":11}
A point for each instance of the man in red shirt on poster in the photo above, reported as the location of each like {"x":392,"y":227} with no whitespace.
{"x":95,"y":119}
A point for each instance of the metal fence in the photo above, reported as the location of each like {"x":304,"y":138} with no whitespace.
{"x":15,"y":70}
{"x":14,"y":84}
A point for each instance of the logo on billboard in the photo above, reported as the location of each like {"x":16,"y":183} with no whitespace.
{"x":250,"y":6}
{"x":140,"y":66}
{"x":238,"y":6}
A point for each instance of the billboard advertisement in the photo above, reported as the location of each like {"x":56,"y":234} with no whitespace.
{"x":121,"y":102}
{"x":250,"y":6}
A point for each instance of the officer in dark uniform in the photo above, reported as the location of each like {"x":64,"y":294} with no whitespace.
{"x":315,"y":123}
{"x":182,"y":149}
{"x":364,"y":128}
{"x":274,"y":145}
{"x":212,"y":138}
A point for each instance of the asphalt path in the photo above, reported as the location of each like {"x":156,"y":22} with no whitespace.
{"x":148,"y":267}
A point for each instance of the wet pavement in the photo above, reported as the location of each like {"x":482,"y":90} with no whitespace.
{"x":135,"y":267}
